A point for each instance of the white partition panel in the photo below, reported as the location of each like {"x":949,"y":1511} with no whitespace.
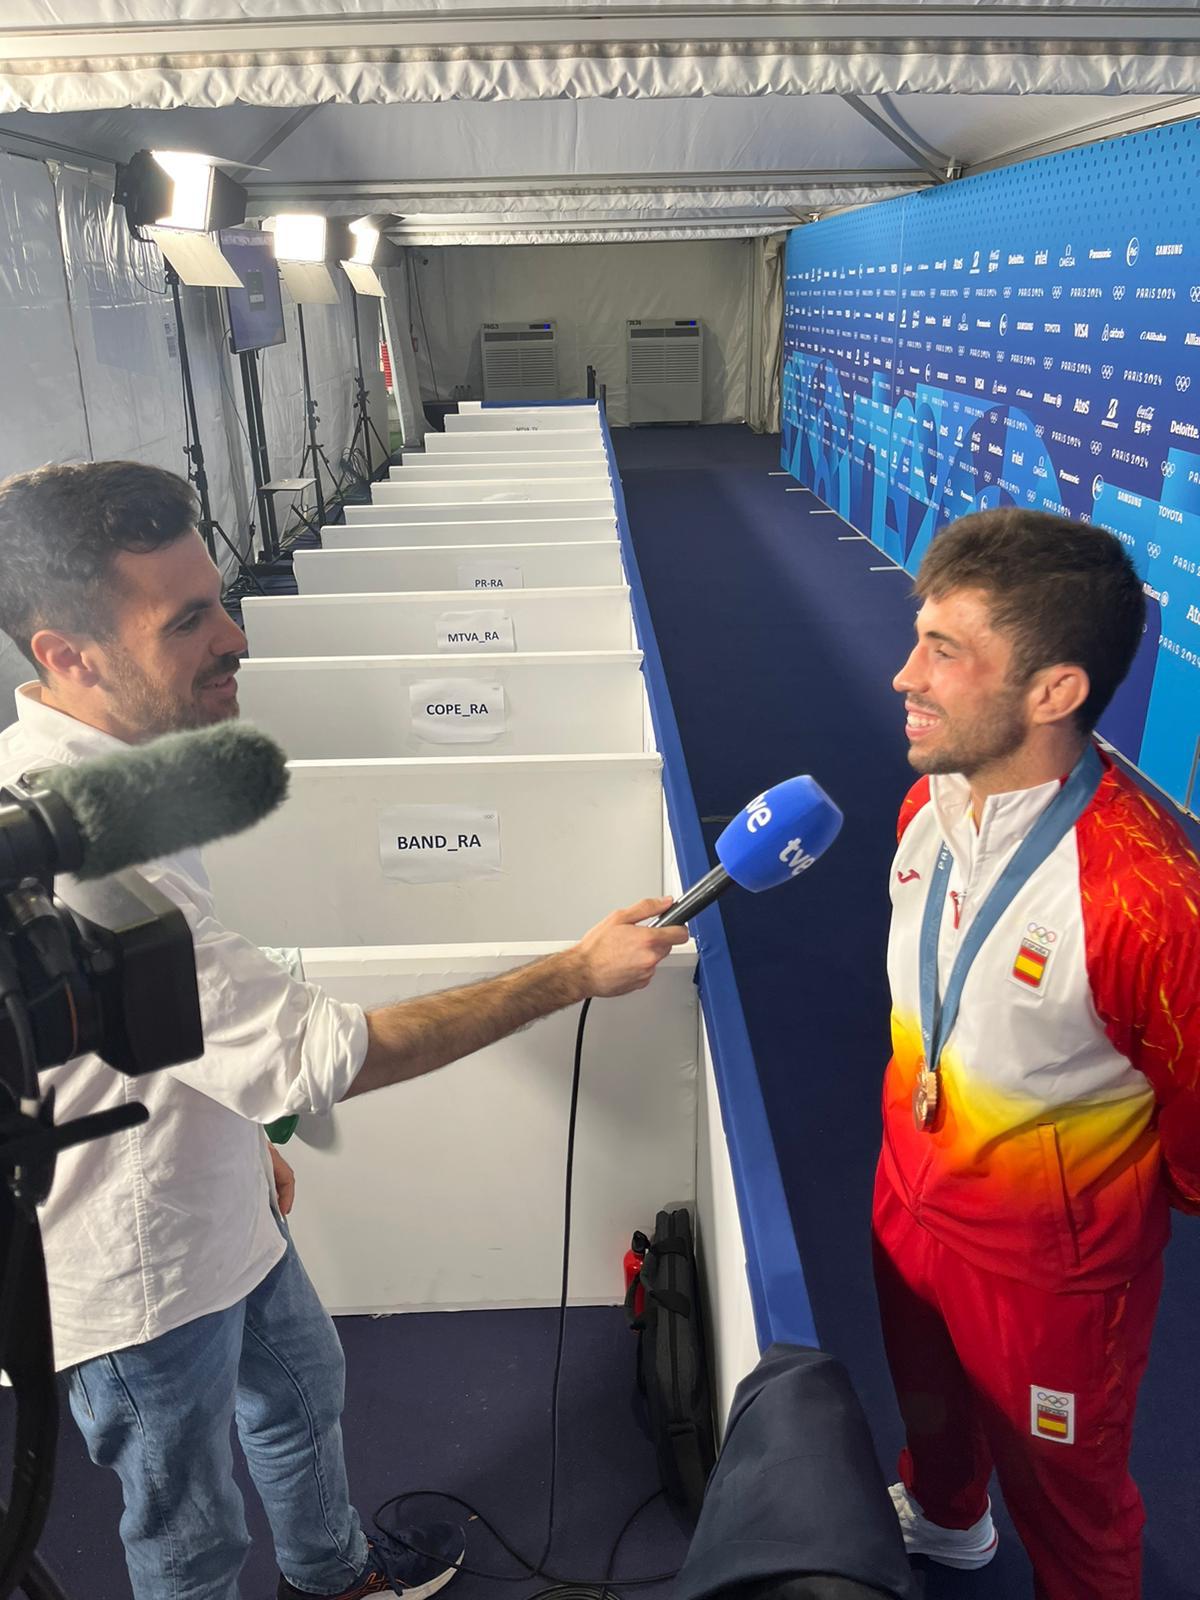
{"x":488,"y":490}
{"x":444,"y":471}
{"x":551,"y":703}
{"x":410,"y":624}
{"x":513,"y":444}
{"x":380,"y":533}
{"x":577,"y":456}
{"x":577,"y":835}
{"x":491,"y":511}
{"x":409,"y":1201}
{"x":556,"y":420}
{"x":476,"y":569}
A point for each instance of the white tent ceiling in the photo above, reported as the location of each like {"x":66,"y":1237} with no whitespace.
{"x":490,"y":122}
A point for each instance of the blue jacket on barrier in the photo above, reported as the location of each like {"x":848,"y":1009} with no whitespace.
{"x":797,"y":1505}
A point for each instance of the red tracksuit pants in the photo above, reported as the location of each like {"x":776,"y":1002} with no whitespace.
{"x":980,"y":1364}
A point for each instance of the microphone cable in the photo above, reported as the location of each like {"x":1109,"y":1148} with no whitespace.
{"x":561,"y":1588}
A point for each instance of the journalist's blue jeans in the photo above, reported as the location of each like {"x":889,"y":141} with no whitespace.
{"x":159,"y":1414}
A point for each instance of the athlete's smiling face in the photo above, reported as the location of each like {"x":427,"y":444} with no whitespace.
{"x":964,"y":712}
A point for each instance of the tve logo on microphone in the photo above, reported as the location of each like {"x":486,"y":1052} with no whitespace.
{"x":779,"y":834}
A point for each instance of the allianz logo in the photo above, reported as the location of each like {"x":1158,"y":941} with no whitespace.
{"x":1160,"y":595}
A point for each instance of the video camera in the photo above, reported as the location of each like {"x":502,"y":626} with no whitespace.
{"x":103,"y":966}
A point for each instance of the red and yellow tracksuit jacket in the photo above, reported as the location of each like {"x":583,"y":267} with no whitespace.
{"x":1070,"y":1085}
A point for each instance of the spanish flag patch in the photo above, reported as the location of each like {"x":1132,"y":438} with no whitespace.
{"x":1030,"y":966}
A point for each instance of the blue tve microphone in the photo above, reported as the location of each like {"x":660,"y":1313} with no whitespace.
{"x":776,"y":837}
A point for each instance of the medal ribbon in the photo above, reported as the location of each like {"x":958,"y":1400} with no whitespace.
{"x":938,"y":1014}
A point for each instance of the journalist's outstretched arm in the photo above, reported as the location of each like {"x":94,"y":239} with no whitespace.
{"x":418,"y":1036}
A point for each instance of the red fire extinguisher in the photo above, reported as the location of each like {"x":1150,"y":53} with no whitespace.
{"x":635,"y":1293}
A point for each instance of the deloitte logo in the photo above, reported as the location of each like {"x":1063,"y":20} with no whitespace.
{"x":1132,"y":251}
{"x":1097,"y":487}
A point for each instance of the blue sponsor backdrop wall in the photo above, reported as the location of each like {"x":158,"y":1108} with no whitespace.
{"x":1029,"y":337}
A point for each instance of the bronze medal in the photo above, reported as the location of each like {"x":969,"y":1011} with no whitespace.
{"x":925,"y":1100}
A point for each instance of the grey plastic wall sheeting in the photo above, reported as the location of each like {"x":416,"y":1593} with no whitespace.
{"x":589,"y":291}
{"x":42,"y":416}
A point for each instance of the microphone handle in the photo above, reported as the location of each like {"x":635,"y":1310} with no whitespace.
{"x":699,"y":896}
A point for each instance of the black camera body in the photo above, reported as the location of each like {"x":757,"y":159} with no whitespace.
{"x":113,"y":973}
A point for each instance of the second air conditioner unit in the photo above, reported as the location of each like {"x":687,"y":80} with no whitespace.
{"x":666,"y":369}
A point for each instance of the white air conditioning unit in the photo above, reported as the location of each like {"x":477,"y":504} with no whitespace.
{"x":666,"y":369}
{"x":520,"y":361}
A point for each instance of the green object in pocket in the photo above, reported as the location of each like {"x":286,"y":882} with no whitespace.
{"x":282,"y":1129}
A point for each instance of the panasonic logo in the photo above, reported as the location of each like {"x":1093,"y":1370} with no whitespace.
{"x":1070,"y":477}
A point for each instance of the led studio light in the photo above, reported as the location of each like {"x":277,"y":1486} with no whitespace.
{"x":178,"y":189}
{"x":305,"y":241}
{"x":371,"y":252}
{"x":300,"y":236}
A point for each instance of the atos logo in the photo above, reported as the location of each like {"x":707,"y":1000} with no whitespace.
{"x":1132,"y":251}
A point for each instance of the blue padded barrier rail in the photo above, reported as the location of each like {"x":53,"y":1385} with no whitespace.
{"x":776,"y":1279}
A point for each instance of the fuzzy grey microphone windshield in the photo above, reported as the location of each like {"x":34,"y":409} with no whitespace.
{"x":152,"y":800}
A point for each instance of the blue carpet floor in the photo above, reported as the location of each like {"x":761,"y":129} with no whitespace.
{"x":460,"y":1403}
{"x":779,"y":643}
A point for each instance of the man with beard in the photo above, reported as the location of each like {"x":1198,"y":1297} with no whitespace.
{"x":1042,"y":1104}
{"x":178,"y":1302}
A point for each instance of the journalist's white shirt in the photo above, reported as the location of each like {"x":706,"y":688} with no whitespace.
{"x":172,"y":1220}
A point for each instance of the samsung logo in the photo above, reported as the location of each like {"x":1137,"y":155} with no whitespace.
{"x":1168,"y":249}
{"x":1025,"y":327}
{"x":1127,"y":499}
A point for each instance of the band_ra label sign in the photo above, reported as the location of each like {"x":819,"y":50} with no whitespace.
{"x":457,"y":710}
{"x":439,"y":843}
{"x":475,"y":630}
{"x":483,"y":575}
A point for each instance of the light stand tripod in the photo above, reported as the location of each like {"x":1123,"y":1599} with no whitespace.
{"x":209,"y":527}
{"x":313,"y":450}
{"x":363,"y":427}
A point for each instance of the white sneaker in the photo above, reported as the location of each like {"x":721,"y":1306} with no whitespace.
{"x":965,"y":1548}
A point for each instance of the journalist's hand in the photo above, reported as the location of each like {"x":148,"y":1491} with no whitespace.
{"x":617,"y":956}
{"x":285,"y":1182}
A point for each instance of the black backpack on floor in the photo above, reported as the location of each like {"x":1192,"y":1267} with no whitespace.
{"x":672,"y":1368}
